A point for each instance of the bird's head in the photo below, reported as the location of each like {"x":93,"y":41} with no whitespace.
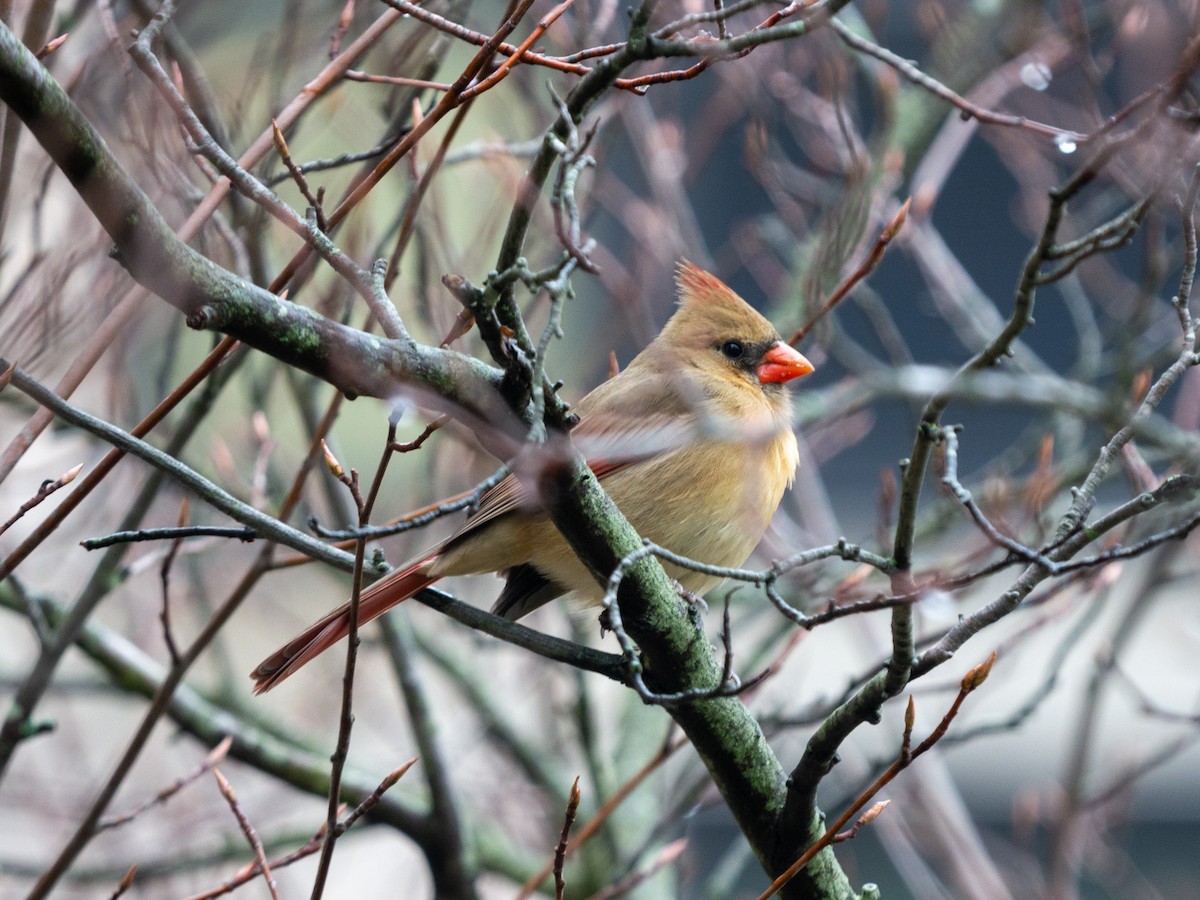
{"x":719,"y":332}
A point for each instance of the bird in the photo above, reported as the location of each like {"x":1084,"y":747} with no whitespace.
{"x":692,"y":440}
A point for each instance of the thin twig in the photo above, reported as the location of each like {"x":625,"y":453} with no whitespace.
{"x":346,"y":718}
{"x":164,"y":575}
{"x":47,"y":488}
{"x":214,"y":758}
{"x":865,"y":268}
{"x":560,"y":851}
{"x":935,"y":87}
{"x":298,"y":176}
{"x":126,"y":882}
{"x":396,"y":80}
{"x":246,"y":535}
{"x":973,"y":679}
{"x":252,"y":871}
{"x":260,"y":855}
{"x":625,"y":886}
{"x":605,"y":812}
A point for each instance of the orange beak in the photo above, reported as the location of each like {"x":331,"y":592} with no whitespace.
{"x":782,"y":363}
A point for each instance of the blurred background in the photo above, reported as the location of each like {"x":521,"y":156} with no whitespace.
{"x":1071,"y":773}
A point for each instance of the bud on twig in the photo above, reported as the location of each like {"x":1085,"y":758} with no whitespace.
{"x":872,"y":814}
{"x":279,"y":140}
{"x":898,"y":220}
{"x":50,"y":47}
{"x":331,"y":461}
{"x":262,"y":428}
{"x":131,"y":873}
{"x":68,"y":476}
{"x":219,"y":752}
{"x":224,"y":786}
{"x":395,"y":775}
{"x":978,"y":675}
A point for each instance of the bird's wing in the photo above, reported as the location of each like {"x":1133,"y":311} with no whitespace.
{"x":645,"y":411}
{"x":609,"y":446}
{"x":608,"y":443}
{"x":525,"y":589}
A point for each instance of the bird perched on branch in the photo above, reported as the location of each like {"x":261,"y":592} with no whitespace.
{"x":692,"y":441}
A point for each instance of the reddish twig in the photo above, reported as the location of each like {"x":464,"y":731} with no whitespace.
{"x":297,"y":176}
{"x":126,"y":882}
{"x":415,"y":444}
{"x":343,"y":25}
{"x":364,"y":507}
{"x":260,"y":854}
{"x":605,"y":811}
{"x":865,"y":268}
{"x":507,"y":66}
{"x":408,"y":219}
{"x":641,"y":82}
{"x":164,"y":577}
{"x":251,"y":871}
{"x":214,"y":758}
{"x":398,"y":80}
{"x":346,"y":719}
{"x":48,"y":487}
{"x":865,"y":819}
{"x":665,"y":857}
{"x":560,"y":852}
{"x":51,"y":46}
{"x":973,"y":679}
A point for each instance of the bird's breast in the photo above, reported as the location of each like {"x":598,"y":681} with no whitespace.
{"x":711,"y":501}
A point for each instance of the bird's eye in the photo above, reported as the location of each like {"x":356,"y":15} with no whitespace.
{"x":732,"y":349}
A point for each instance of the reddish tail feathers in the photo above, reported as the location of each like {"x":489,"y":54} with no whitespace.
{"x":326,"y":632}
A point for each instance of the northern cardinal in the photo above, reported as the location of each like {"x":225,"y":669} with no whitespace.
{"x":692,"y":441}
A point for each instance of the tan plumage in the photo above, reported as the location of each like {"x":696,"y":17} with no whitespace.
{"x":692,"y":441}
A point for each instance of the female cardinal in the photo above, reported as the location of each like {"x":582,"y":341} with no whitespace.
{"x":692,"y":441}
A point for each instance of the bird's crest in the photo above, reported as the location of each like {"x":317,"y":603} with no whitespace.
{"x":710,"y":311}
{"x":697,"y":286}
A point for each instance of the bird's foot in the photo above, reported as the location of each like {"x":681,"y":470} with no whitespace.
{"x":692,"y":599}
{"x":697,"y":605}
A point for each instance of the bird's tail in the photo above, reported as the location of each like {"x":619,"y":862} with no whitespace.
{"x":324,"y":633}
